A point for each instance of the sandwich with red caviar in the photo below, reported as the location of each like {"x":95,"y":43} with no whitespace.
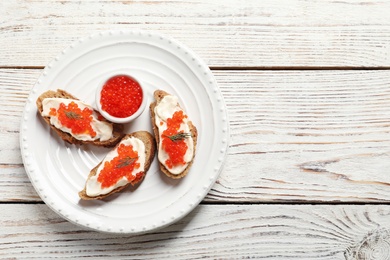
{"x":175,"y":134}
{"x":76,"y":122}
{"x":124,"y":165}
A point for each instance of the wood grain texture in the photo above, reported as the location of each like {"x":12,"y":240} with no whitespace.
{"x":296,"y":136}
{"x":306,"y":135}
{"x":210,"y":231}
{"x":292,"y":33}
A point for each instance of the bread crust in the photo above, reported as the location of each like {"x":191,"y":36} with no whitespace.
{"x":117,"y":128}
{"x":150,"y":150}
{"x":158,"y":96}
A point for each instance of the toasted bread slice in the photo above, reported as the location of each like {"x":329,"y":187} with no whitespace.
{"x":150,"y":149}
{"x":158,"y":96}
{"x":117,"y":128}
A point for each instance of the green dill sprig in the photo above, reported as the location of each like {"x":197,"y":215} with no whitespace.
{"x":179,"y":136}
{"x":72,"y":115}
{"x":126,"y":161}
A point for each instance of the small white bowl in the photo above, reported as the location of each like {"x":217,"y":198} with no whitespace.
{"x":120,"y":120}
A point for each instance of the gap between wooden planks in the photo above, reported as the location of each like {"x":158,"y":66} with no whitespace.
{"x":244,"y":68}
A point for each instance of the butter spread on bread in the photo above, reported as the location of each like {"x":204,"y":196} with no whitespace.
{"x":78,"y":120}
{"x":102,"y":129}
{"x":94,"y":187}
{"x":164,"y":111}
{"x":175,"y":135}
{"x":126,"y":164}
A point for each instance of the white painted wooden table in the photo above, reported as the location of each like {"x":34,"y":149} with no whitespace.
{"x":307,"y":87}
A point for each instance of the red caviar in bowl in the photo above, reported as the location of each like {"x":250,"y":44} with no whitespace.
{"x":72,"y":117}
{"x":121,"y":96}
{"x":175,"y":148}
{"x":120,"y":166}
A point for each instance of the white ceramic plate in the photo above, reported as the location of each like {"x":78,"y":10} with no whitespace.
{"x":58,"y":170}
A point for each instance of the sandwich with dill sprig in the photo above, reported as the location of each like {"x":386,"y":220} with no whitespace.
{"x":75,"y":121}
{"x":125,"y":165}
{"x":175,"y":134}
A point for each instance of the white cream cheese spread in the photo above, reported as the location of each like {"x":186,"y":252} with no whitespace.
{"x":93,"y":186}
{"x":103,"y":129}
{"x":164,"y":110}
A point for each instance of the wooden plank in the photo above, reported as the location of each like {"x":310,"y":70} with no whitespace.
{"x":210,"y":231}
{"x":15,"y":186}
{"x":225,"y":33}
{"x":306,"y":135}
{"x":296,"y":136}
